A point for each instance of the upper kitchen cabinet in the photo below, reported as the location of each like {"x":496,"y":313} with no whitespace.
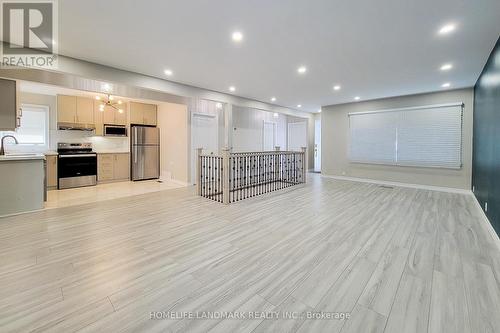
{"x":113,"y":116}
{"x":10,"y":111}
{"x":76,"y":110}
{"x":149,"y":111}
{"x":142,"y":114}
{"x":66,"y":109}
{"x":84,"y":110}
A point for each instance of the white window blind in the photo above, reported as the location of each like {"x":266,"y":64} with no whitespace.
{"x":428,"y":136}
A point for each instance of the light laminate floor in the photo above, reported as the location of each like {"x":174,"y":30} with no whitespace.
{"x":101,"y":192}
{"x":397,"y":260}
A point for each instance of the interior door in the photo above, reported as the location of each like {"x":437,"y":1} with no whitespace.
{"x":268,"y":136}
{"x":205,"y":133}
{"x":317,"y":145}
{"x":297,"y":136}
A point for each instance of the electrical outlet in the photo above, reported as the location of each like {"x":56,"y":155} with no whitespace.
{"x":485,"y":206}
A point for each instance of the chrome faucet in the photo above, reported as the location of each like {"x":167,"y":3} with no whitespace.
{"x":2,"y":149}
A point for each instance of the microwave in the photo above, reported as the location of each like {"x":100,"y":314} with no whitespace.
{"x":115,"y":130}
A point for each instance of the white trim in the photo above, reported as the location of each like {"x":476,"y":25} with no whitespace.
{"x":288,"y":132}
{"x":398,"y":184}
{"x":486,"y":222}
{"x":275,"y":132}
{"x":408,"y":108}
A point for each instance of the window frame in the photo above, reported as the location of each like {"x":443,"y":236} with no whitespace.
{"x":415,"y":108}
{"x":34,"y":146}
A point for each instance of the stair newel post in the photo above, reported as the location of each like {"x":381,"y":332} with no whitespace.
{"x":304,"y":163}
{"x":226,"y":156}
{"x":198,"y":180}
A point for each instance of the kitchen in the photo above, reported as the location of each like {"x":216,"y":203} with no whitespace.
{"x":93,"y":146}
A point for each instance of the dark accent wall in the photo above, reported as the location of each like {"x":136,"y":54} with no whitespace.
{"x":486,"y":139}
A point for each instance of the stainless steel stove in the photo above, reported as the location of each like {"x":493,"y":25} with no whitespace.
{"x":77,"y":165}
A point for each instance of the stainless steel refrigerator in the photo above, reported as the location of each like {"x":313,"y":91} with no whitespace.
{"x":145,"y":150}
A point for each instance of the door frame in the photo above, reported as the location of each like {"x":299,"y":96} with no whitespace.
{"x":193,"y":148}
{"x":288,"y":133}
{"x":275,"y":132}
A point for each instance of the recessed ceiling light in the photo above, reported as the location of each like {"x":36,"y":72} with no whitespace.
{"x":446,"y":85}
{"x":446,"y":67}
{"x":106,"y":87}
{"x":337,"y":87}
{"x":319,"y":111}
{"x":168,"y":72}
{"x":275,"y":115}
{"x":237,"y":36}
{"x":299,"y":105}
{"x":218,"y":106}
{"x":232,"y":89}
{"x":98,"y":98}
{"x":273,"y":99}
{"x":446,"y":29}
{"x":302,"y":69}
{"x":357,"y":98}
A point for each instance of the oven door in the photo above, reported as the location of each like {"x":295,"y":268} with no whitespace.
{"x":77,"y":170}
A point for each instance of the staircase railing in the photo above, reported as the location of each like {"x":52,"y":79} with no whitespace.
{"x":234,"y":177}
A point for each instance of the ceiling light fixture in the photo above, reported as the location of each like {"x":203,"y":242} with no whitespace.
{"x":446,"y":85}
{"x":168,"y":72}
{"x":273,"y":99}
{"x":237,"y":36}
{"x":106,"y":87}
{"x":446,"y":29}
{"x":337,"y":87}
{"x":357,"y":98}
{"x":109,"y":102}
{"x":302,"y":69}
{"x":446,"y":67}
{"x":232,"y":89}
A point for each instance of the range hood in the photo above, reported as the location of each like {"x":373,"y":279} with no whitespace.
{"x":75,"y":127}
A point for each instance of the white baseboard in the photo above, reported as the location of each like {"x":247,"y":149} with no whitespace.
{"x":398,"y":184}
{"x":486,"y":222}
{"x":179,"y":182}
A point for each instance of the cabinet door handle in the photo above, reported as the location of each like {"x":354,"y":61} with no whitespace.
{"x":18,"y":122}
{"x":20,"y":112}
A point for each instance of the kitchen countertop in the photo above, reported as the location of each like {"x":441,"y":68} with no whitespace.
{"x":21,"y":157}
{"x":51,"y":153}
{"x":112,"y":152}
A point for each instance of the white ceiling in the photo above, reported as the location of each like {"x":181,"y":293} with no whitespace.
{"x":373,"y":49}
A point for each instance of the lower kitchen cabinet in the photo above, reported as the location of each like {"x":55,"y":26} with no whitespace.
{"x":51,"y":171}
{"x":113,"y":167}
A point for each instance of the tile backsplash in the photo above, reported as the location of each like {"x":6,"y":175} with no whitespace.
{"x":99,"y":143}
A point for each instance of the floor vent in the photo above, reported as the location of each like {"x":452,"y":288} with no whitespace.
{"x":387,"y":187}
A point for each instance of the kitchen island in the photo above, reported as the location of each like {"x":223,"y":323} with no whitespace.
{"x":22,"y":183}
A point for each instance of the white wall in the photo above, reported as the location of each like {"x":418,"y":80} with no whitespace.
{"x":247,"y":129}
{"x":335,"y":139}
{"x":174,"y":144}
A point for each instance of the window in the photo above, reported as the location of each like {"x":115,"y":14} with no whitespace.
{"x":429,"y":136}
{"x":33,"y":132}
